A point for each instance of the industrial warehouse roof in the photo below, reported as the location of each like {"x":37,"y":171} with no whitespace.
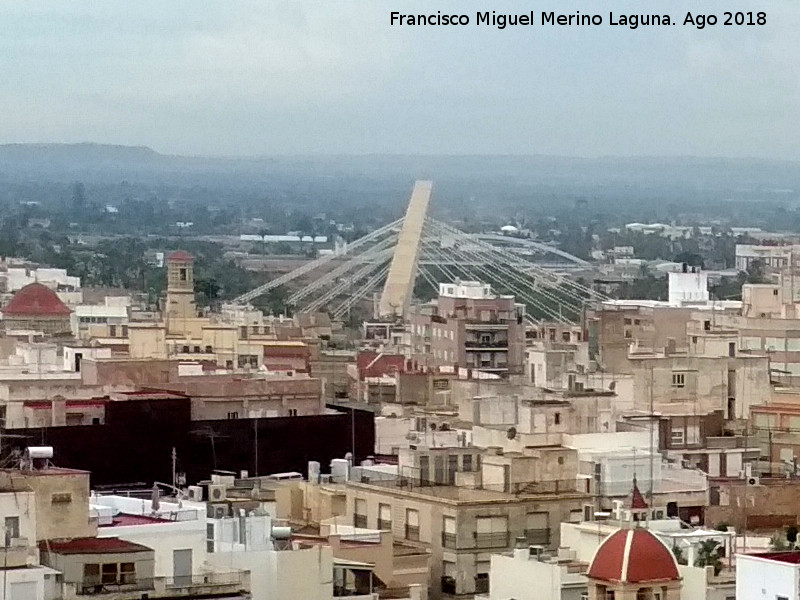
{"x":36,"y":300}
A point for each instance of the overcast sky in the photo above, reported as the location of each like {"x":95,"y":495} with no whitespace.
{"x":308,"y":76}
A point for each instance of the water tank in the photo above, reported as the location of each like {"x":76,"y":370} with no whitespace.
{"x":281,"y":533}
{"x":40,"y":452}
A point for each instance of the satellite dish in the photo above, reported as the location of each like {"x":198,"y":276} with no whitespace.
{"x":511,"y":433}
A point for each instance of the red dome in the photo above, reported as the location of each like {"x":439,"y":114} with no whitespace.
{"x":36,"y":300}
{"x":633,"y":556}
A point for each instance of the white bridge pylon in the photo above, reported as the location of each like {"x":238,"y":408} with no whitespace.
{"x":391,"y":258}
{"x":399,"y":286}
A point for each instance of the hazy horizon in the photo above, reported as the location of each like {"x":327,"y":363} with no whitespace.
{"x":287,"y":78}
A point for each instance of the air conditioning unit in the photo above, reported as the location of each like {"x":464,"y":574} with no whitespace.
{"x":753,"y":481}
{"x":217,"y":511}
{"x":195,"y":493}
{"x":216,"y":493}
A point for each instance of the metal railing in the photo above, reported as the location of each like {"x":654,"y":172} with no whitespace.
{"x":537,"y":537}
{"x":412,"y":532}
{"x":491,"y":540}
{"x":131,"y":583}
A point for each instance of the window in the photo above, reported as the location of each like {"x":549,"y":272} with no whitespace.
{"x":412,"y":524}
{"x":678,"y":380}
{"x":91,"y":574}
{"x":491,"y":532}
{"x":61,"y":498}
{"x":127,"y":573}
{"x":360,"y":513}
{"x":482,"y":580}
{"x":183,"y":274}
{"x":676,"y":437}
{"x":557,"y":418}
{"x":112,"y":330}
{"x":732,"y":349}
{"x":209,"y":350}
{"x":449,"y":578}
{"x":384,"y":517}
{"x":124,"y":331}
{"x":12,"y":528}
{"x":449,"y":532}
{"x":774,"y":292}
{"x":109,"y":573}
{"x":565,"y":336}
{"x":233,"y":415}
{"x":186,"y":349}
{"x":628,"y":334}
{"x":627,"y":321}
{"x":537,"y":528}
{"x":292,"y":412}
{"x":467,"y":463}
{"x":637,"y":322}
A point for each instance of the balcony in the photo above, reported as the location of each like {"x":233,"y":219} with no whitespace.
{"x":492,"y":346}
{"x":537,"y":537}
{"x":16,"y":554}
{"x":412,"y":532}
{"x":231,"y":584}
{"x":491,"y":540}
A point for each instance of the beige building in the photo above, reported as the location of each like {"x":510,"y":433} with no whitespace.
{"x":462,"y":525}
{"x":61,"y":499}
{"x":469,"y":326}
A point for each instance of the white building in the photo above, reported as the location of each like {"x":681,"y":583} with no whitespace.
{"x":772,"y":257}
{"x":17,"y":278}
{"x":688,"y":287}
{"x":768,"y":576}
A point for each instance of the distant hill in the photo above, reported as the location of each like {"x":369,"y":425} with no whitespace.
{"x":323,"y":180}
{"x":75,"y":152}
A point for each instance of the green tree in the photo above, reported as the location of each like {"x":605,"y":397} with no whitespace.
{"x":708,"y":556}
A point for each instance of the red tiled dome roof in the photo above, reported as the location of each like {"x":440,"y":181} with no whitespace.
{"x":633,"y":556}
{"x":181,"y":255}
{"x":36,"y":300}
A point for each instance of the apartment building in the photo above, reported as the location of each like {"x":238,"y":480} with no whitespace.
{"x":469,"y":325}
{"x":617,"y":327}
{"x":503,"y":497}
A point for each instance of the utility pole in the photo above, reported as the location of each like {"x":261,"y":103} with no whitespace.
{"x":174,"y":466}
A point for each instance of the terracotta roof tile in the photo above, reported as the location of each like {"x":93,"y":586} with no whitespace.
{"x":36,"y":300}
{"x":633,"y":556}
{"x":180,"y":255}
